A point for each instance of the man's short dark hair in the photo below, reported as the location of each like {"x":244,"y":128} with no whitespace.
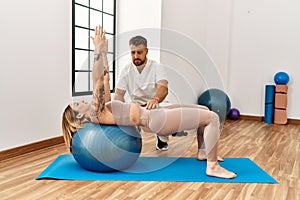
{"x":138,"y":40}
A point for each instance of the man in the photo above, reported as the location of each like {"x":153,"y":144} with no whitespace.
{"x":147,"y":84}
{"x":145,"y":81}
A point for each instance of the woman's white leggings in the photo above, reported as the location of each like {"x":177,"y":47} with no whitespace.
{"x":165,"y":121}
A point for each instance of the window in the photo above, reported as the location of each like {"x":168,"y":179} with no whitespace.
{"x":86,"y":15}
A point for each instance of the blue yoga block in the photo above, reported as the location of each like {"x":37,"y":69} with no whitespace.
{"x":270,"y":94}
{"x":269,"y":113}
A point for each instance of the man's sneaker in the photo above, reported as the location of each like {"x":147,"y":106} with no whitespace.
{"x":160,"y":145}
{"x":179,"y":134}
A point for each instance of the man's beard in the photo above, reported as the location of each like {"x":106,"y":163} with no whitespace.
{"x":139,"y":62}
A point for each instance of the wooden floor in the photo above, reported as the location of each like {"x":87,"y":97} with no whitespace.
{"x":275,"y":148}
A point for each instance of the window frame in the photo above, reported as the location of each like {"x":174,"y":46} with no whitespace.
{"x":89,"y":90}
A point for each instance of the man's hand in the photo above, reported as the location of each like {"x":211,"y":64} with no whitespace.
{"x":119,"y":95}
{"x":153,"y":103}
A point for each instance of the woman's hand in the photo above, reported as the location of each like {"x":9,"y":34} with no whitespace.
{"x":100,"y":41}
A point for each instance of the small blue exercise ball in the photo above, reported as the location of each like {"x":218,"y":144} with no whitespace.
{"x":281,"y":78}
{"x":216,"y":100}
{"x":233,"y":113}
{"x":106,"y":148}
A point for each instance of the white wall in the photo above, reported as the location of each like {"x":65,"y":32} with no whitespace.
{"x":265,"y":39}
{"x":35,"y":69}
{"x":204,"y":31}
{"x":248,"y":40}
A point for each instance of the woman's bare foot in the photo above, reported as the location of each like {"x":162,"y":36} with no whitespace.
{"x":201,"y":155}
{"x":214,"y":169}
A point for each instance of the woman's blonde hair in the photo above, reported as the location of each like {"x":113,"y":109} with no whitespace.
{"x":70,"y":124}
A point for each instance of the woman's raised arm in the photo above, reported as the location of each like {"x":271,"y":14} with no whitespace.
{"x":98,"y":71}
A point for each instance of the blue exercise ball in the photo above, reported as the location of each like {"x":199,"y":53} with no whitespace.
{"x":281,"y":78}
{"x":106,"y":148}
{"x":233,"y":113}
{"x":216,"y":100}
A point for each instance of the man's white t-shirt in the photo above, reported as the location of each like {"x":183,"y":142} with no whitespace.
{"x":141,"y":86}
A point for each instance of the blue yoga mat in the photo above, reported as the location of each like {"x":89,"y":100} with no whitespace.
{"x":181,"y":170}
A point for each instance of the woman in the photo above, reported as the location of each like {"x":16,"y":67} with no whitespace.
{"x":163,"y":121}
